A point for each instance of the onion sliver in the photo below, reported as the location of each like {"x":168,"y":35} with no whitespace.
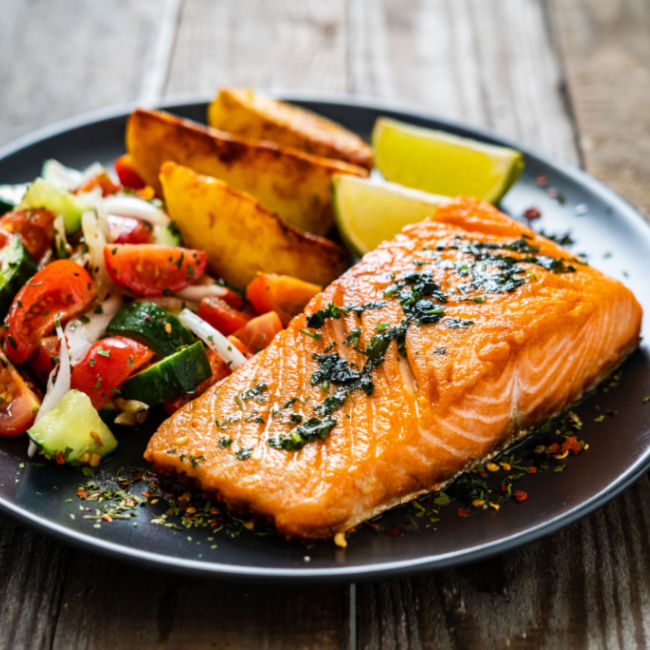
{"x":213,"y":338}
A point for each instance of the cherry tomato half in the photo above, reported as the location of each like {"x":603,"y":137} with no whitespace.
{"x":149,"y":270}
{"x":18,"y":403}
{"x":44,"y":358}
{"x":60,"y":290}
{"x":259,"y":331}
{"x":34,"y":227}
{"x":127,"y":174}
{"x":128,"y":230}
{"x":106,"y":365}
{"x":221,"y":315}
{"x":283,"y":294}
{"x":220,"y":370}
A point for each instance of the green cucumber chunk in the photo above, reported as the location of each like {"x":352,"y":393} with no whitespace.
{"x":16,"y":267}
{"x":152,"y":325}
{"x":179,"y":373}
{"x":10,"y":196}
{"x":168,"y":235}
{"x":73,"y":431}
{"x":43,"y":194}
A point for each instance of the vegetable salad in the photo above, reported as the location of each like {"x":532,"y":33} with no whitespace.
{"x":107,"y":315}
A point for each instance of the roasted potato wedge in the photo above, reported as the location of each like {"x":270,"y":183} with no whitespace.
{"x":293,"y":184}
{"x":246,"y":112}
{"x":239,"y":235}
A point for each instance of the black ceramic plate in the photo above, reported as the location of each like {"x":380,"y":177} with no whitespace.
{"x":615,"y":237}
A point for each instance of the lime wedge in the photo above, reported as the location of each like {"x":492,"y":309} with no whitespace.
{"x":368,"y":212}
{"x":434,"y":161}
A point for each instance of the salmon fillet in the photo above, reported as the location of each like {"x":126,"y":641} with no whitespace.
{"x":435,"y":350}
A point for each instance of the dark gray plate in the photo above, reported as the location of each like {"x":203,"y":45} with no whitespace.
{"x":617,"y":240}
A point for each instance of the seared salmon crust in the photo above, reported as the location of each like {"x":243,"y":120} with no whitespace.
{"x":435,"y":350}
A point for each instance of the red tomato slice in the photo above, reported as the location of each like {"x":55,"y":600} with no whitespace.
{"x":103,"y":181}
{"x":150,"y":270}
{"x":259,"y":331}
{"x":283,"y":294}
{"x":19,"y":404}
{"x":127,"y":174}
{"x":240,"y":346}
{"x":128,"y":230}
{"x":221,"y":315}
{"x":61,"y":290}
{"x":220,"y":370}
{"x":44,"y":359}
{"x":106,"y":365}
{"x":34,"y":227}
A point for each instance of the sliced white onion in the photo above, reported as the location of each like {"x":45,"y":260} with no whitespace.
{"x":131,"y":206}
{"x":57,"y":386}
{"x":82,"y":335}
{"x":94,"y":229}
{"x":60,"y":240}
{"x":197,"y":292}
{"x":214,"y":339}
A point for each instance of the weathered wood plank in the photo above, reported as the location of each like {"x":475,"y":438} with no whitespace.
{"x":60,"y":58}
{"x":290,"y":44}
{"x":32,"y":571}
{"x":606,"y":47}
{"x":106,"y":605}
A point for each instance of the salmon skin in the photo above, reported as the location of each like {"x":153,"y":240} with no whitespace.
{"x":435,"y":350}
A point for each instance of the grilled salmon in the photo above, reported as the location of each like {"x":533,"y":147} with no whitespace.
{"x":437,"y":349}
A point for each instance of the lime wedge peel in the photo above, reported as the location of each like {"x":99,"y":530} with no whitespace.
{"x":442,"y":163}
{"x":368,"y":211}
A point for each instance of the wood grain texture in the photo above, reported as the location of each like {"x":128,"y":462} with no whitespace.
{"x":290,"y":44}
{"x":104,"y":608}
{"x":550,"y":73}
{"x":606,"y":46}
{"x":491,"y":64}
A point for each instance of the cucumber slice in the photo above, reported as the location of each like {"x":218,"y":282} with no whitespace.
{"x":152,"y":325}
{"x":16,"y":267}
{"x":10,"y":196}
{"x":179,"y":373}
{"x":168,"y":235}
{"x":72,"y":432}
{"x":43,"y":194}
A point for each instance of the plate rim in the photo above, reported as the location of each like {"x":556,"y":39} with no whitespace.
{"x":204,"y":568}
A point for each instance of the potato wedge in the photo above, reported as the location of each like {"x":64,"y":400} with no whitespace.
{"x":293,"y":184}
{"x":246,"y":112}
{"x":240,"y":236}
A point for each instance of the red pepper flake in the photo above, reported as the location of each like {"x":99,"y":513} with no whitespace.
{"x":87,"y":509}
{"x":553,"y":449}
{"x":82,"y":494}
{"x":462,"y":513}
{"x":533,"y":213}
{"x":552,"y":192}
{"x":60,"y":458}
{"x":503,"y":488}
{"x":571,"y":444}
{"x":541,"y":180}
{"x":396,"y":531}
{"x":483,"y":474}
{"x":373,"y":524}
{"x":532,"y":469}
{"x":146,"y":493}
{"x":520,"y":495}
{"x":106,"y":518}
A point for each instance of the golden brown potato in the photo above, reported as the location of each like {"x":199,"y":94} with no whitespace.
{"x":291,"y":183}
{"x":247,"y":113}
{"x":240,"y":236}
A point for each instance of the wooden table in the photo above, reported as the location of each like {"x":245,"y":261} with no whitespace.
{"x":569,"y":77}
